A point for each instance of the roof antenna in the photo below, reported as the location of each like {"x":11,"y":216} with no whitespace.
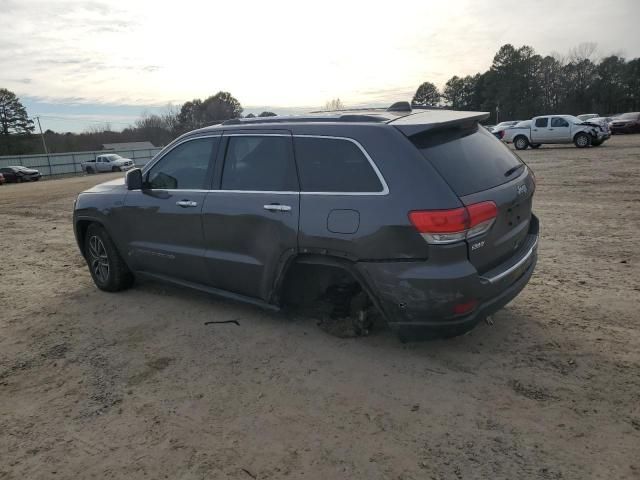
{"x":400,"y":107}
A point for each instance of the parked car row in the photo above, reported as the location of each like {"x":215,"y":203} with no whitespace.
{"x":102,"y":163}
{"x":18,"y":174}
{"x":588,"y":129}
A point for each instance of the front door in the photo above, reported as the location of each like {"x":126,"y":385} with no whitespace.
{"x":163,"y":220}
{"x":251,"y":221}
{"x":560,"y":130}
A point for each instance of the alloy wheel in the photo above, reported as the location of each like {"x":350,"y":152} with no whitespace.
{"x":98,"y":259}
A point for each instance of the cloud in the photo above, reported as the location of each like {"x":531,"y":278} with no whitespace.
{"x":367,"y":53}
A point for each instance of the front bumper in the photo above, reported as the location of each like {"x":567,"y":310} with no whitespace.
{"x":418,"y":299}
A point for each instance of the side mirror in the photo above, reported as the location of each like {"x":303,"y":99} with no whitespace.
{"x":133,"y":179}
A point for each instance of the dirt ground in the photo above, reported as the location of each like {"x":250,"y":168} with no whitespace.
{"x":134,"y":385}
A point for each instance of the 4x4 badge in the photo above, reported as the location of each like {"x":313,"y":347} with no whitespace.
{"x":522,"y":189}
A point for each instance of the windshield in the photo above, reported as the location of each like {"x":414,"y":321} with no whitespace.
{"x":113,"y":157}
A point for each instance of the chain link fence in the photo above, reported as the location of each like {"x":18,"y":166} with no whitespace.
{"x":70,"y":163}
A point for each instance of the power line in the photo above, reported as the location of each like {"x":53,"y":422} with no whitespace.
{"x":101,"y":122}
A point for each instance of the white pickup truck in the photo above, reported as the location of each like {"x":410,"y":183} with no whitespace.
{"x":110,"y":162}
{"x":556,"y":129}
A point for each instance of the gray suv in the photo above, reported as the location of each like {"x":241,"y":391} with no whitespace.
{"x":420,"y":216}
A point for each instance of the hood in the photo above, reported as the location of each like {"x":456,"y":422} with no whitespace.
{"x":122,"y":160}
{"x":110,"y":186}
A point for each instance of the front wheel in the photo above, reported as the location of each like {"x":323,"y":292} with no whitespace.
{"x":521,"y":143}
{"x":108,"y":270}
{"x":582,"y":140}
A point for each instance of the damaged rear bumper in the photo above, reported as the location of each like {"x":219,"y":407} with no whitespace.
{"x":418,"y":299}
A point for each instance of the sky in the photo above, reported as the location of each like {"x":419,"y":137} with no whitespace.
{"x":79,"y":64}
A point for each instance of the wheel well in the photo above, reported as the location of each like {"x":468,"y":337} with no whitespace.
{"x":81,"y":232}
{"x":308,"y":279}
{"x":521,"y":136}
{"x":582,"y":133}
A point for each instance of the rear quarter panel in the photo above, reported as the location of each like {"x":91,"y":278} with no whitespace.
{"x":384,"y":230}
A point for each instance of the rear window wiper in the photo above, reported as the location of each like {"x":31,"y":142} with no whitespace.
{"x":513,"y":170}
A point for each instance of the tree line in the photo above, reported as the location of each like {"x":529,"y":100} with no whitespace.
{"x":521,"y":84}
{"x":17,"y":129}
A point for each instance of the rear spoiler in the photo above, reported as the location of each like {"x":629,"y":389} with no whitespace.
{"x":435,"y":119}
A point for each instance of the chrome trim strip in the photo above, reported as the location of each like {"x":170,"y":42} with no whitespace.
{"x":514,"y":267}
{"x":383,"y":182}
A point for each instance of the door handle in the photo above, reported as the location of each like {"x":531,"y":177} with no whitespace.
{"x":186,"y":203}
{"x":277,"y":208}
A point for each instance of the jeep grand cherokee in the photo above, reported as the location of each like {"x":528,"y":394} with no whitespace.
{"x":422,"y":212}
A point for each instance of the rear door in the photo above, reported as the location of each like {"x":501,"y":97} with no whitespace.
{"x":540,"y":132}
{"x":163,"y":224}
{"x":250,"y":220}
{"x":479,"y":168}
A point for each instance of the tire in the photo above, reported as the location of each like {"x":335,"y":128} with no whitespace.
{"x":582,"y":140}
{"x":107,"y":269}
{"x":520,"y":142}
{"x":535,"y":145}
{"x":90,"y":171}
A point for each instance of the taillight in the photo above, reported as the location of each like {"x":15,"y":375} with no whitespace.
{"x":449,"y":226}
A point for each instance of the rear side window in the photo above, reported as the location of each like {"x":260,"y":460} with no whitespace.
{"x":184,"y":167}
{"x":469,"y":160}
{"x":334,"y":165}
{"x":260,"y":164}
{"x":541,"y":122}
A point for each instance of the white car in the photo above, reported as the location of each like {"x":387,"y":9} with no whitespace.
{"x":587,"y":116}
{"x":557,"y":129}
{"x":109,"y":162}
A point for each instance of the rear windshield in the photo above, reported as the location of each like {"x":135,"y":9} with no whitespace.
{"x":470,"y":160}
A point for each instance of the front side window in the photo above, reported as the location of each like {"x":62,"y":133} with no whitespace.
{"x":559,"y":122}
{"x":542,"y":122}
{"x":334,"y":165}
{"x":184,"y":167}
{"x":259,"y":163}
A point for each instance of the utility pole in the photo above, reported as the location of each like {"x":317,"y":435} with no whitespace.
{"x":44,"y":145}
